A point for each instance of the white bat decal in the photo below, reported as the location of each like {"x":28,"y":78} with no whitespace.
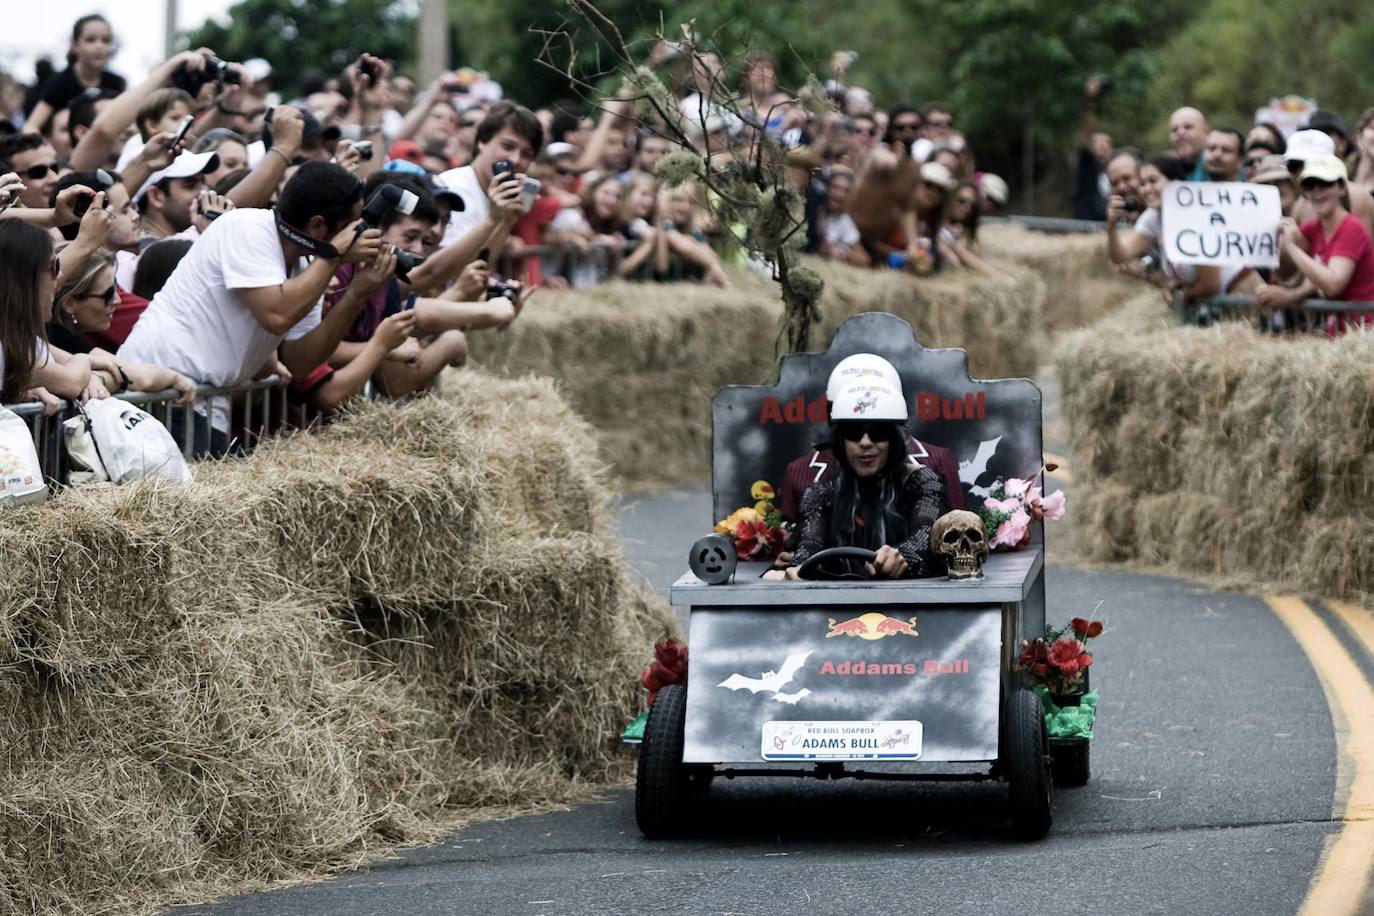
{"x":771,"y":680}
{"x":792,"y":698}
{"x":970,"y":471}
{"x":820,"y":466}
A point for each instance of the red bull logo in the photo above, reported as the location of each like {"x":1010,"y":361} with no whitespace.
{"x":872,"y":626}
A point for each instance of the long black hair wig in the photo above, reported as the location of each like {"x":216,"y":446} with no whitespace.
{"x":865,"y":512}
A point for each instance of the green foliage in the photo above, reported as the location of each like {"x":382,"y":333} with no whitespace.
{"x":297,"y":36}
{"x":1235,"y":56}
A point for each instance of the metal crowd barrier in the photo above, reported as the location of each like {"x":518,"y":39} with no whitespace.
{"x":1309,"y":315}
{"x":587,"y":267}
{"x":257,"y":409}
{"x":1051,"y":224}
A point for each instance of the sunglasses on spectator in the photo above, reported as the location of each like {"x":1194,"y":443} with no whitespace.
{"x":37,"y":172}
{"x":940,"y":122}
{"x":1316,"y":184}
{"x":906,"y":125}
{"x":876,"y":432}
{"x":565,"y":171}
{"x":56,"y":267}
{"x":477,"y":123}
{"x":108,"y":297}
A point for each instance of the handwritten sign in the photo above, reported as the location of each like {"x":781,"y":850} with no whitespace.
{"x":1228,"y":223}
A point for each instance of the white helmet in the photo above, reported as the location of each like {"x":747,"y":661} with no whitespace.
{"x":861,"y":367}
{"x":877,"y":400}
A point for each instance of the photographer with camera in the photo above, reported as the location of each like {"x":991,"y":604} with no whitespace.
{"x":252,"y":283}
{"x":402,"y":207}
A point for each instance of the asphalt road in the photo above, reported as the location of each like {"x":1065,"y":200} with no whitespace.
{"x":1214,"y":772}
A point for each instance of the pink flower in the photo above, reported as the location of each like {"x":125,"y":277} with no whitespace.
{"x":1052,"y":506}
{"x":1002,"y":505}
{"x":1011,"y":532}
{"x":1016,"y":486}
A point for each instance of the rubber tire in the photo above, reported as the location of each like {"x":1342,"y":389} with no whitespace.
{"x":661,"y":784}
{"x":1072,"y":767}
{"x":1028,"y":765}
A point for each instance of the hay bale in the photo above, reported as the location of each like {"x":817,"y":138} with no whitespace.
{"x":1222,"y":450}
{"x":1083,"y":287}
{"x":313,"y":654}
{"x":642,"y":361}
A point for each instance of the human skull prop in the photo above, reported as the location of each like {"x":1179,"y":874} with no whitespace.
{"x":958,"y":538}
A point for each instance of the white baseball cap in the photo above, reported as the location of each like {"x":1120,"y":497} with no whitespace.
{"x":1309,"y":144}
{"x":187,"y":165}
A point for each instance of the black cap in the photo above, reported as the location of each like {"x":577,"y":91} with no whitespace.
{"x":455,"y":199}
{"x":1328,"y":122}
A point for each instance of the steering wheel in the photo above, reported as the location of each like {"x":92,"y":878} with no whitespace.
{"x":809,"y":569}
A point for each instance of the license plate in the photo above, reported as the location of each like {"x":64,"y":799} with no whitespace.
{"x":842,"y":740}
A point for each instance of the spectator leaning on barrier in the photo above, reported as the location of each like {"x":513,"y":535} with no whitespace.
{"x":1306,"y":145}
{"x":1187,"y":137}
{"x":245,"y":287}
{"x":1333,"y":251}
{"x":1136,"y":251}
{"x":509,"y":133}
{"x":1123,"y":179}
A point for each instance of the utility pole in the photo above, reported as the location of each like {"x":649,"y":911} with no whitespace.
{"x":169,"y":37}
{"x":432,"y":40}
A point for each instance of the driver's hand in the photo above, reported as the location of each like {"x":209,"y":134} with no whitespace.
{"x":888,"y":564}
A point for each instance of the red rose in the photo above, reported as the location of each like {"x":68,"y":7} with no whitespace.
{"x":1068,"y":655}
{"x":1085,"y":629}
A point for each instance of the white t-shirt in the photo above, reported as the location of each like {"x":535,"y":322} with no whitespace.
{"x":197,"y":325}
{"x":1150,"y":224}
{"x":476,"y":206}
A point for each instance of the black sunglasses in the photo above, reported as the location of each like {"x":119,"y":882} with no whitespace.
{"x":1309,"y":184}
{"x":37,"y":172}
{"x":906,"y":125}
{"x":876,"y":432}
{"x":108,"y":296}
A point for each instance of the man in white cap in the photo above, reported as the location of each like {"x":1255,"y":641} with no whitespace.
{"x":175,"y":199}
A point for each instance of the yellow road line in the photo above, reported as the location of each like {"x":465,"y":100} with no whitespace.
{"x":1343,"y":875}
{"x":1062,"y":472}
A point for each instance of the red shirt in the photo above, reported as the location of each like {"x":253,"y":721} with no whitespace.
{"x":530,"y":230}
{"x":1350,"y":240}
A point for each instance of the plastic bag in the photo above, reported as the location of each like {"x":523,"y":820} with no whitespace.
{"x":21,"y":476}
{"x":114,"y":440}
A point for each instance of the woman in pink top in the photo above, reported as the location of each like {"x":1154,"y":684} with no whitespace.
{"x":1338,"y":262}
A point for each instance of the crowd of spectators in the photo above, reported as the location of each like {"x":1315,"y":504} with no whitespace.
{"x":1324,"y":174}
{"x":196,"y":227}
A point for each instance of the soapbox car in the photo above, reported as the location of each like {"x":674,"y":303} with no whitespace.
{"x":872,"y":679}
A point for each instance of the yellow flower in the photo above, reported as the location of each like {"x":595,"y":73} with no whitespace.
{"x":729,"y":526}
{"x":763,"y":507}
{"x":762,"y":489}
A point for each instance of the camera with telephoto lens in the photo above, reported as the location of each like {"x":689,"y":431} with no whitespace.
{"x":385,"y":201}
{"x":216,"y":71}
